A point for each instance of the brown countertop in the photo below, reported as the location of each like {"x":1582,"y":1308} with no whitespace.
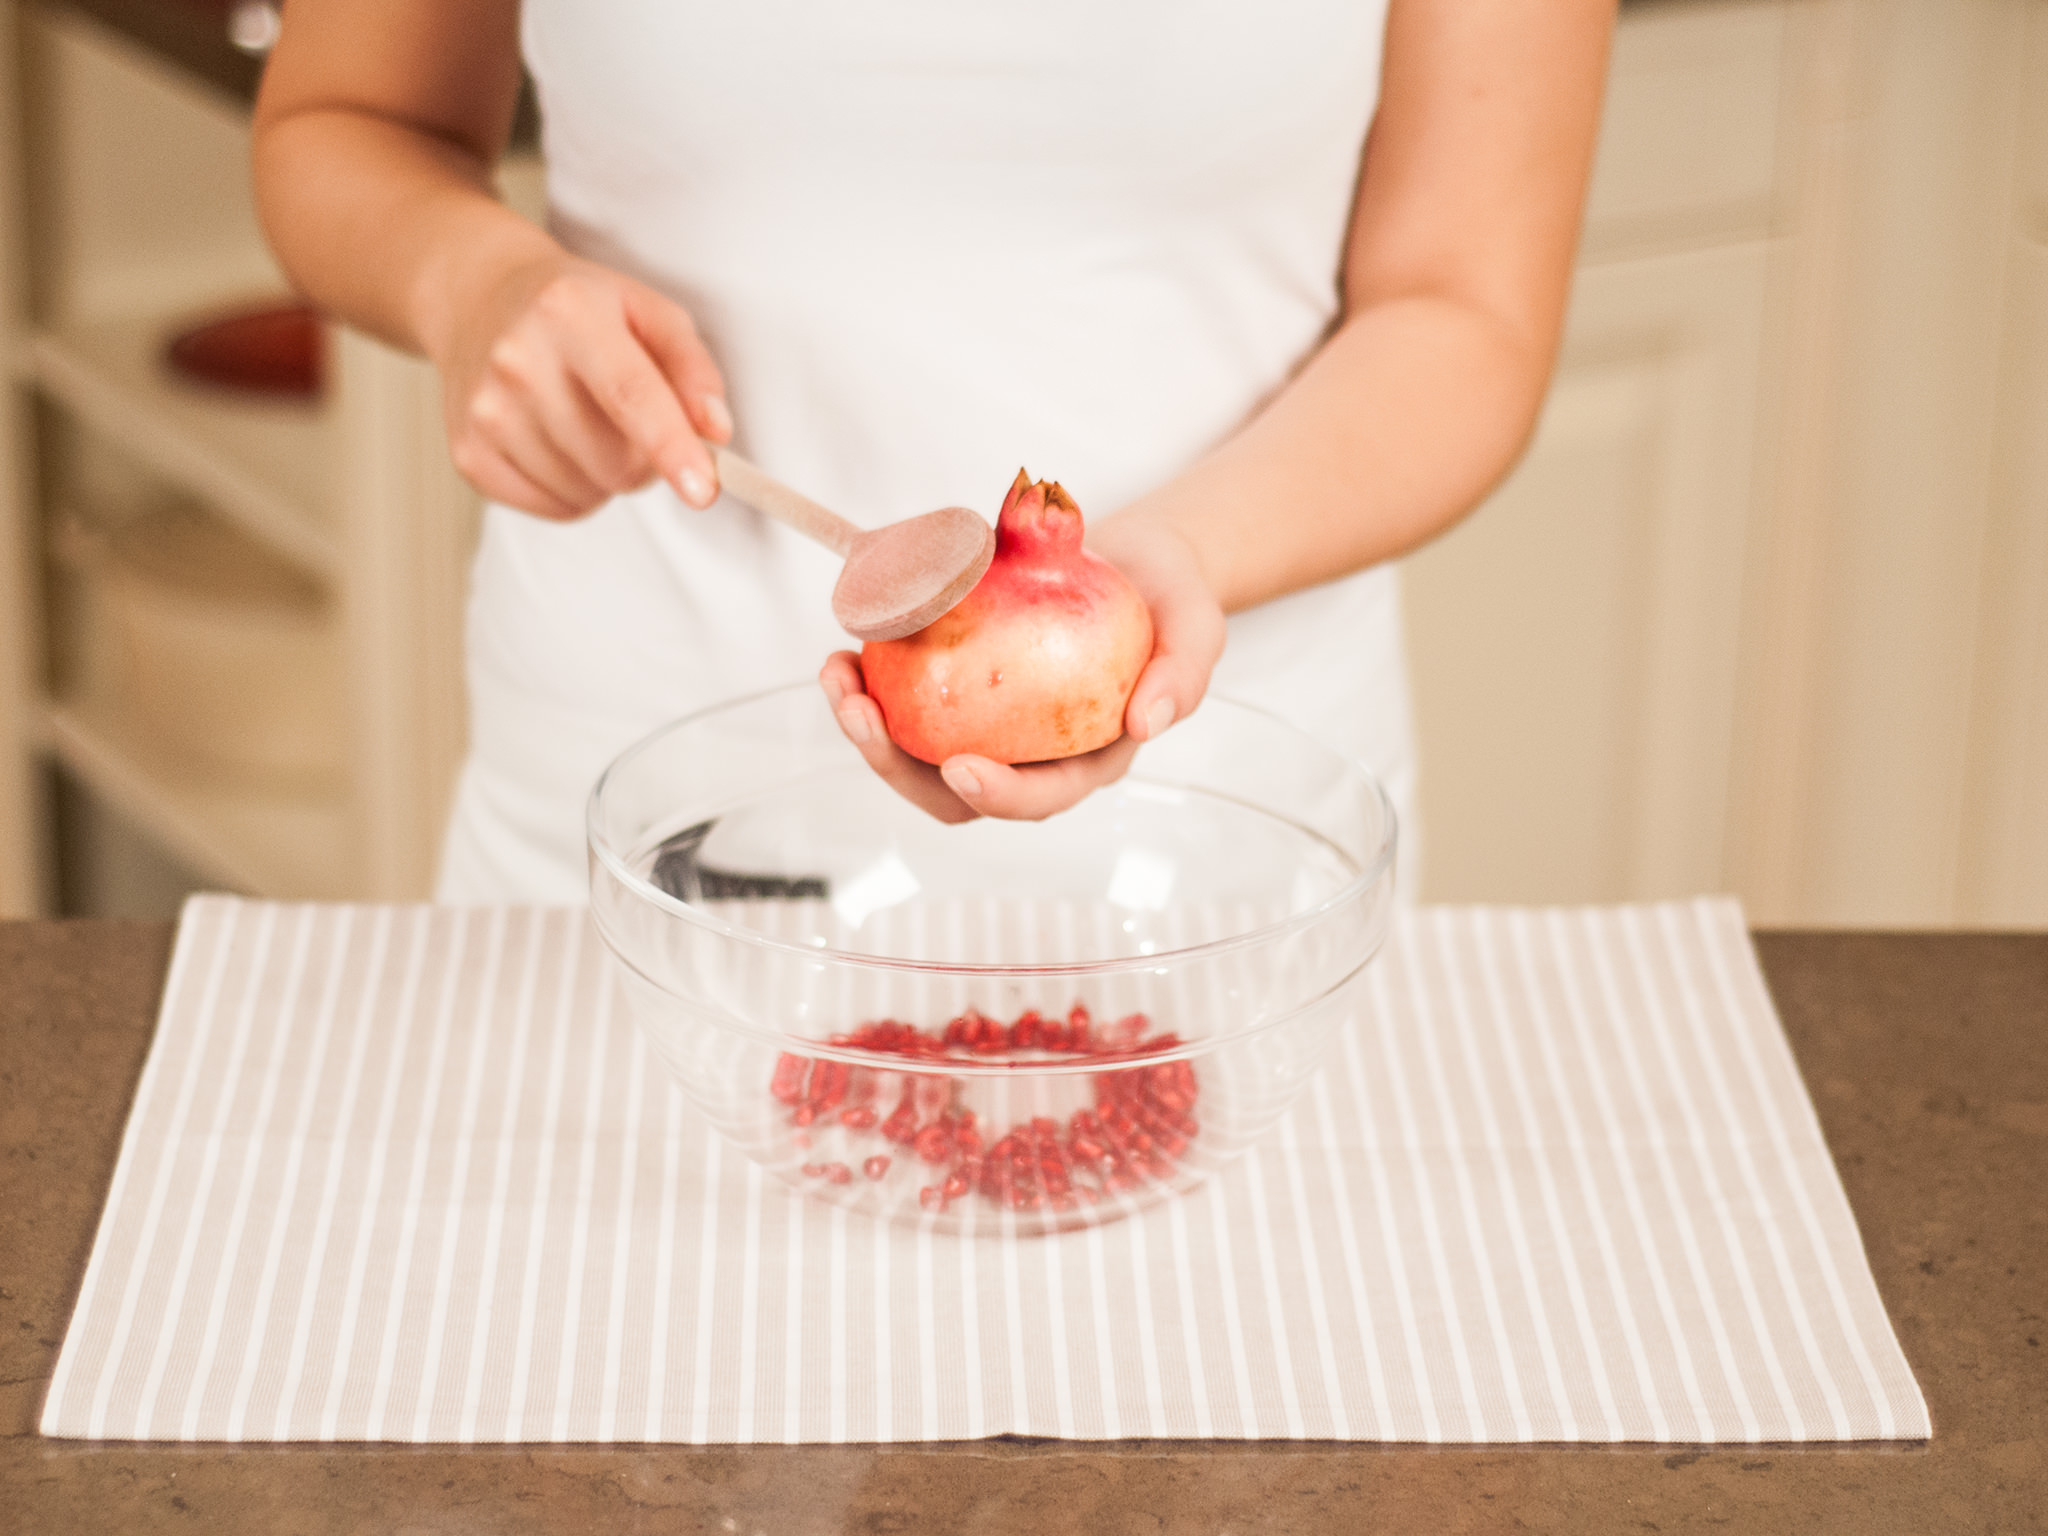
{"x":1927,"y":1057}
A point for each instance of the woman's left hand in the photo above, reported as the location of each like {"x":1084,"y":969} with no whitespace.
{"x":1187,"y":639}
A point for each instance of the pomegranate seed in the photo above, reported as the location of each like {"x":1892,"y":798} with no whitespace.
{"x":788,"y":1082}
{"x":901,"y":1126}
{"x":1142,"y":1121}
{"x":837,"y":1075}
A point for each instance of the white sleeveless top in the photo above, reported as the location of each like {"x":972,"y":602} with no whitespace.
{"x":927,"y":241}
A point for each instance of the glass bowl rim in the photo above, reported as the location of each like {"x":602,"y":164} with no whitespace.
{"x":1000,"y":1068}
{"x":645,"y":890}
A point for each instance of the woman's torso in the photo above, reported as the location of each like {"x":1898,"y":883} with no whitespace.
{"x":927,"y":243}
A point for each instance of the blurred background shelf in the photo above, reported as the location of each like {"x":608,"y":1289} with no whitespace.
{"x":269,"y":465}
{"x":228,"y":834}
{"x":126,"y":215}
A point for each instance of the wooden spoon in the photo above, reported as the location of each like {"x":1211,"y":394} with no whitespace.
{"x":896,"y":579}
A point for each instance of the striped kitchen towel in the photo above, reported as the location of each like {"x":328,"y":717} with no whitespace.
{"x":408,"y":1173}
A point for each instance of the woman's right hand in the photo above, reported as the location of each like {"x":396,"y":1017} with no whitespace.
{"x":565,"y":383}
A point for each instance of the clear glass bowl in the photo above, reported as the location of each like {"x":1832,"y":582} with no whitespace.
{"x":999,"y":1025}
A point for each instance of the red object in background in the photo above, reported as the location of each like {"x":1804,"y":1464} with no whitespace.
{"x":273,"y":349}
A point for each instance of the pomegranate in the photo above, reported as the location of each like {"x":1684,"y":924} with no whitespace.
{"x":1037,"y":662}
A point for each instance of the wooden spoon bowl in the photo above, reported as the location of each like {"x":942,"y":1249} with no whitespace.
{"x":897,"y":578}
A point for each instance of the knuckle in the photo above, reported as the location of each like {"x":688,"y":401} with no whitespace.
{"x":561,"y":298}
{"x":490,"y":409}
{"x":631,"y":394}
{"x":512,"y":356}
{"x":652,"y":303}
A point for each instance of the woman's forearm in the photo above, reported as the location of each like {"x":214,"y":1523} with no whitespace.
{"x":382,"y":223}
{"x":563,"y":383}
{"x":1398,"y":425}
{"x":376,"y":131}
{"x":1455,"y":276}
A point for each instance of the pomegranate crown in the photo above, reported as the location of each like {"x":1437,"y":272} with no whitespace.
{"x":1038,"y":515}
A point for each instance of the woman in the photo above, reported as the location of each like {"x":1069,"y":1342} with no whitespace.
{"x":1147,"y":248}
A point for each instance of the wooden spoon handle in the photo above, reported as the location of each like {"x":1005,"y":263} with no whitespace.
{"x":764,"y":493}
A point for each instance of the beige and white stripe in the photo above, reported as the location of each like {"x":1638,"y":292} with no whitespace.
{"x":407,"y":1173}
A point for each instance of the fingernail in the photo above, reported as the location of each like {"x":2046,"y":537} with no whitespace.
{"x":696,"y":489}
{"x":834,"y":694}
{"x":855,"y":724}
{"x":718,"y":416}
{"x":961,"y":780}
{"x":1158,"y":717}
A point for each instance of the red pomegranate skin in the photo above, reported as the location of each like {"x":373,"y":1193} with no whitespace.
{"x":1036,"y":663}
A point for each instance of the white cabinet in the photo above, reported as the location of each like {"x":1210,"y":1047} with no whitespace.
{"x":2005,"y":855}
{"x":1766,"y":606}
{"x":1577,"y":644}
